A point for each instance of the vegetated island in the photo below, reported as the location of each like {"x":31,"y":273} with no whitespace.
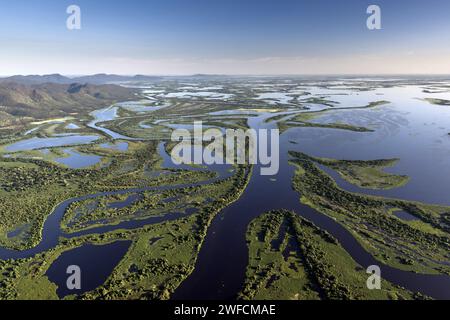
{"x":365,"y":174}
{"x":292,"y":259}
{"x":421,"y":245}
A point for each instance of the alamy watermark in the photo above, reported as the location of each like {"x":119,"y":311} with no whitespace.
{"x":231,"y":146}
{"x":73,"y":22}
{"x":74,"y":280}
{"x":374,"y":280}
{"x":374,"y":20}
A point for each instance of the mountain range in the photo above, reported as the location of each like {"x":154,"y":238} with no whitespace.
{"x":46,"y":100}
{"x":101,"y":78}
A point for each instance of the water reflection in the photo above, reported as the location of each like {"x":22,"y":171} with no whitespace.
{"x":38,"y":143}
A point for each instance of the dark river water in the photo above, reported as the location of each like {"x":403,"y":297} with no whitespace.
{"x":95,"y":262}
{"x":221,"y":264}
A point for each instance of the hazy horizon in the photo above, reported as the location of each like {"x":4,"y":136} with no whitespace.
{"x":175,"y":37}
{"x":234,"y":75}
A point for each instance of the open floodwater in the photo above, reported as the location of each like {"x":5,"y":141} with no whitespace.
{"x":407,"y":128}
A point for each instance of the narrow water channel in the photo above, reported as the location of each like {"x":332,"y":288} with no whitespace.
{"x":221,"y":264}
{"x":52,"y":231}
{"x":220,"y":269}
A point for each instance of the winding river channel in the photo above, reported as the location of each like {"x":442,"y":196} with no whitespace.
{"x":52,"y":231}
{"x":221,"y":264}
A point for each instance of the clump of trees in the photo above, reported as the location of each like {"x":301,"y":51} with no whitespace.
{"x":321,"y":190}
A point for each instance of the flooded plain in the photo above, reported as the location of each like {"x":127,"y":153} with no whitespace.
{"x":407,"y":128}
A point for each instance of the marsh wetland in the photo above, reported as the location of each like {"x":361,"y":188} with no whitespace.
{"x":363,"y":180}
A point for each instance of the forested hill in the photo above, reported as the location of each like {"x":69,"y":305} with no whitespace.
{"x":41,"y":101}
{"x":101,"y":78}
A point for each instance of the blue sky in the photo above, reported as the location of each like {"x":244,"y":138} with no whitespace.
{"x":232,"y":36}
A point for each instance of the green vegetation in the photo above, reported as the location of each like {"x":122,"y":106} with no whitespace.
{"x":304,"y":119}
{"x":157,"y":130}
{"x":322,"y":101}
{"x":341,"y":126}
{"x":365,"y":174}
{"x":41,"y":185}
{"x":87,"y":214}
{"x":420,"y":246}
{"x":439,"y":102}
{"x":50,"y":100}
{"x":160,"y":258}
{"x":291,"y":259}
{"x":164,"y":255}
